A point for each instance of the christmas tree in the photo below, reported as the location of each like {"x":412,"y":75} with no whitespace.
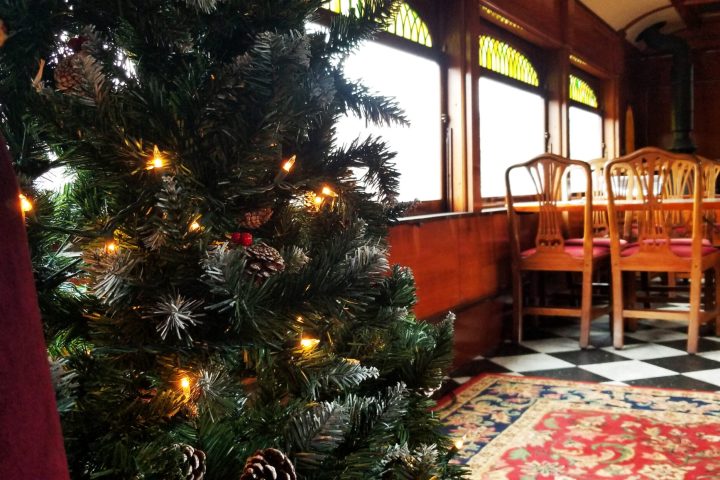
{"x":213,"y":277}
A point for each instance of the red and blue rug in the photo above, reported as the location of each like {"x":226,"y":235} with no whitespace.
{"x":525,"y":428}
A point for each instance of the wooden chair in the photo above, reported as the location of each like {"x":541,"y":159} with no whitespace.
{"x":665,"y":239}
{"x":711,"y":173}
{"x":550,"y":253}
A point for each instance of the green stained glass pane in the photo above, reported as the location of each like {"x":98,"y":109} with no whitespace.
{"x":502,"y":58}
{"x":581,"y":92}
{"x":407,"y":23}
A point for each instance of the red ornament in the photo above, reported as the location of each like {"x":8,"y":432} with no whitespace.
{"x":76,"y":43}
{"x":242,"y":238}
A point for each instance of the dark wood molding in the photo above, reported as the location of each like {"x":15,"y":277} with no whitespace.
{"x":689,"y":16}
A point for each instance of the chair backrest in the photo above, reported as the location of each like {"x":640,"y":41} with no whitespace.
{"x":599,"y":192}
{"x":711,"y":172}
{"x":648,"y":177}
{"x":549,"y":174}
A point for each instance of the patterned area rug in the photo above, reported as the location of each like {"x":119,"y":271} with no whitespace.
{"x":525,"y":428}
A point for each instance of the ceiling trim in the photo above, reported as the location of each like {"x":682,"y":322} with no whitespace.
{"x":645,"y":15}
{"x":691,"y":18}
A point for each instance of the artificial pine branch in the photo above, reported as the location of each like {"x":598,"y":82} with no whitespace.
{"x":185,"y":336}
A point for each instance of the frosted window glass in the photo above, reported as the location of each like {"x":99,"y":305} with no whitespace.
{"x":414,"y":82}
{"x":585,"y":134}
{"x":512,"y":130}
{"x":585,"y":140}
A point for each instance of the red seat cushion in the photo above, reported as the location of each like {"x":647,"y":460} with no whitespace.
{"x":573,"y":251}
{"x":597,"y":242}
{"x":688,"y":241}
{"x":681,"y":248}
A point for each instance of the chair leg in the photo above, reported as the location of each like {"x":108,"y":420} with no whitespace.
{"x":672,"y":285}
{"x":694,"y":320}
{"x":517,"y":310}
{"x":617,"y":305}
{"x":585,"y":308}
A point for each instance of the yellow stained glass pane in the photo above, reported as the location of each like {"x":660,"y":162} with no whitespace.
{"x":502,"y":58}
{"x":341,"y":6}
{"x":581,"y":92}
{"x":407,"y":23}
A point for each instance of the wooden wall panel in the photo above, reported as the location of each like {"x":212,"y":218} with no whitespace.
{"x":542,"y":18}
{"x":707,"y":103}
{"x":587,"y":33}
{"x":456,"y":260}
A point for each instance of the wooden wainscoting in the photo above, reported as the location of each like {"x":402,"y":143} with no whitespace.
{"x":457,"y":260}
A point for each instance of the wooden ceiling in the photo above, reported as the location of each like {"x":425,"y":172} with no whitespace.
{"x":634,"y":16}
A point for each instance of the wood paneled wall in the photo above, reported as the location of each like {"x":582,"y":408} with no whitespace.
{"x":456,"y":260}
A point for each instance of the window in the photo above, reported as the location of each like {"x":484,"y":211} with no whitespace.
{"x":512,"y":117}
{"x":414,"y":81}
{"x":586,"y":129}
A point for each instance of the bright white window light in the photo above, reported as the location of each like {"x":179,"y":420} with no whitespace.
{"x":414,"y":82}
{"x":512,"y":130}
{"x":585,"y":134}
{"x":586,"y":140}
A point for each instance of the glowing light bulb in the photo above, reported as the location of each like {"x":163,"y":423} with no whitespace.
{"x":318,"y":200}
{"x":287,"y":166}
{"x":328,"y":192}
{"x":111,"y":246}
{"x":309,"y":343}
{"x":157,"y":160}
{"x":459,"y":443}
{"x":185,"y":383}
{"x":194,"y":226}
{"x":25,"y":204}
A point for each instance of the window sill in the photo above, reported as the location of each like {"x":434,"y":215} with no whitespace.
{"x":431,"y":217}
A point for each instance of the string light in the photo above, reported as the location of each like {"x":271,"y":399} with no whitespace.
{"x":459,"y":443}
{"x":157,"y":160}
{"x":328,"y":192}
{"x":185,"y":385}
{"x":309,"y":343}
{"x":25,"y":204}
{"x":318,"y":200}
{"x":111,"y":246}
{"x":286,"y":167}
{"x":194,"y":226}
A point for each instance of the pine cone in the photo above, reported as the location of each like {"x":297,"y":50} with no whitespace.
{"x":256,"y":218}
{"x":69,"y":73}
{"x":268,"y":464}
{"x":193,"y":462}
{"x":263,"y":261}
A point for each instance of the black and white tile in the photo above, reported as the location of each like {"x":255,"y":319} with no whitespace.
{"x":654,"y":356}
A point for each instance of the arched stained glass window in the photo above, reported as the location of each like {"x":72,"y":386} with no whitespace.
{"x":502,"y":58}
{"x":407,"y":23}
{"x":581,"y":92}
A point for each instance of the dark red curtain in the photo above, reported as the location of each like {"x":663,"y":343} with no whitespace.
{"x":31,"y":446}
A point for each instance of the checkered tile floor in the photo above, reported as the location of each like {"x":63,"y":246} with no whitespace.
{"x":653,"y":356}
